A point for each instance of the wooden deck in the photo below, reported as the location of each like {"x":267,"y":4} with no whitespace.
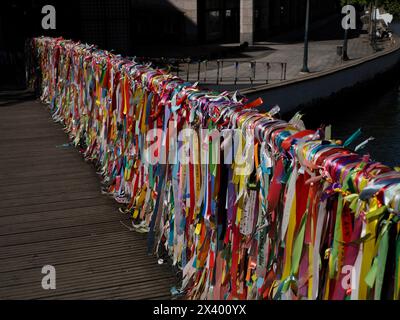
{"x":52,"y":213}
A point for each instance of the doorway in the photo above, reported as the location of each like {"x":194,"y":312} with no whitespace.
{"x":219,"y":21}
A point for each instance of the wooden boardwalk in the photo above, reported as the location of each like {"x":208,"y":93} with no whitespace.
{"x":52,"y":213}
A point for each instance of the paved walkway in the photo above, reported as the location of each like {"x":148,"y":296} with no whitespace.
{"x":322,"y":56}
{"x":52,"y":213}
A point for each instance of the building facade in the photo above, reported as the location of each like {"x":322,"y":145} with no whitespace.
{"x":223,"y":21}
{"x":228,"y":21}
{"x":122,"y":25}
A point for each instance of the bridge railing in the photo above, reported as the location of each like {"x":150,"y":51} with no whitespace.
{"x":309,"y":215}
{"x":223,"y":71}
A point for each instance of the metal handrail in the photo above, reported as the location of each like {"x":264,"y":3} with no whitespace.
{"x":202,"y":71}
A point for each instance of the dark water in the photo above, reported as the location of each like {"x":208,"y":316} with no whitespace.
{"x":375,"y":109}
{"x":376,"y":113}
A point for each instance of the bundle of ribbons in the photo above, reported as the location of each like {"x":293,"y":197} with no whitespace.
{"x":302,"y":216}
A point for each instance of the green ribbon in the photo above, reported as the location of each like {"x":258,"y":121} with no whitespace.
{"x":337,"y":238}
{"x":298,"y":245}
{"x":352,"y":138}
{"x":376,"y":275}
{"x":397,"y":270}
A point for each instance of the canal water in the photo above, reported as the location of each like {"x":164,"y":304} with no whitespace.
{"x":376,"y":112}
{"x":375,"y":109}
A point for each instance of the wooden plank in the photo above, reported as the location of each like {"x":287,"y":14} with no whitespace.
{"x":52,"y":212}
{"x":58,"y":197}
{"x":30,"y":218}
{"x":58,"y":246}
{"x":81,"y":218}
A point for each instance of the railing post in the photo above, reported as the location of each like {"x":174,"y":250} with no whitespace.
{"x":205,"y":70}
{"x":284,"y":78}
{"x":253,"y":65}
{"x":198,"y":70}
{"x":236,"y":71}
{"x":222,"y":69}
{"x":187,"y":71}
{"x":267,"y":81}
{"x":218,"y":62}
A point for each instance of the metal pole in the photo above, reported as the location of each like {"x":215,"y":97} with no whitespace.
{"x":222,"y":69}
{"x":205,"y":71}
{"x":236,"y":71}
{"x":284,"y":77}
{"x":198,"y":70}
{"x":305,"y":58}
{"x":218,"y":62}
{"x":375,"y":17}
{"x":254,"y":66}
{"x":345,"y":57}
{"x":251,"y":72}
{"x":370,"y":27}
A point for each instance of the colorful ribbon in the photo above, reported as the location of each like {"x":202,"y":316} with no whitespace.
{"x":311,"y":219}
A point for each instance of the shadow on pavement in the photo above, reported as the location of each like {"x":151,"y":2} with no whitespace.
{"x":13,"y":97}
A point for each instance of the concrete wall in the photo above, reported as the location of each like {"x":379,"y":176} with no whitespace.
{"x":247,"y":21}
{"x":164,"y":21}
{"x":189,"y":10}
